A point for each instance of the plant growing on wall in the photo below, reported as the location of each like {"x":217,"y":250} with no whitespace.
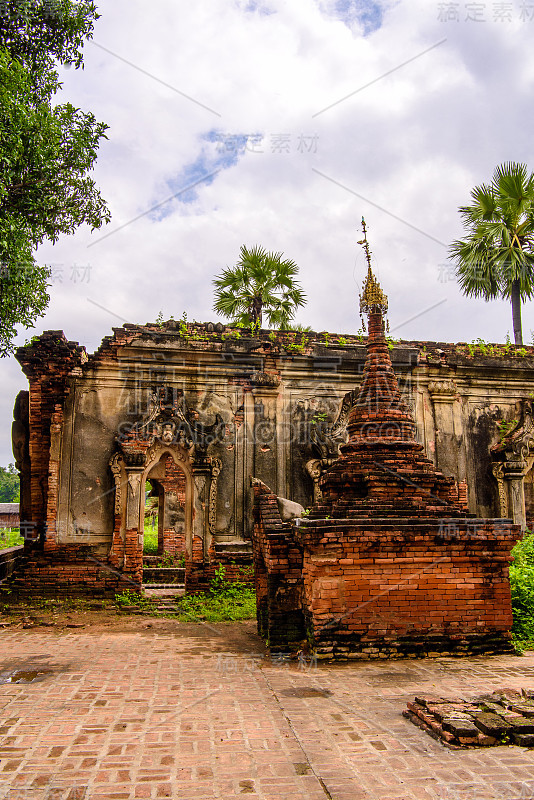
{"x":260,"y":283}
{"x":496,"y":258}
{"x":505,"y":427}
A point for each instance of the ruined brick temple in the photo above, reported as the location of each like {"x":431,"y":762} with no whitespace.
{"x":187,"y":413}
{"x":387,"y":562}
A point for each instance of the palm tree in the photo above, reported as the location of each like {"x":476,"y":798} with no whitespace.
{"x":261,"y":282}
{"x":496,"y":259}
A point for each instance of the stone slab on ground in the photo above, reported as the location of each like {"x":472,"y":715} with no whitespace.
{"x":153,"y":708}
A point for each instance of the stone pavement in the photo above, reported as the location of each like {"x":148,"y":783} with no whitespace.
{"x":198,"y":712}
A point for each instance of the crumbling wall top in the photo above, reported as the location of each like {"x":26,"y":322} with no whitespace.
{"x":51,"y":354}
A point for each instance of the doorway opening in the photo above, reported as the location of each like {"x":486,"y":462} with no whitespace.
{"x":165,"y":512}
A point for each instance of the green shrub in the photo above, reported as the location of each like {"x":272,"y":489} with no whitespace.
{"x":522,"y":589}
{"x":226,"y":600}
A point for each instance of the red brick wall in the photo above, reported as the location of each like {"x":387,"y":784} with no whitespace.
{"x":399,"y":589}
{"x":171,"y":538}
{"x":278,"y":561}
{"x":70,"y":571}
{"x":48,"y":364}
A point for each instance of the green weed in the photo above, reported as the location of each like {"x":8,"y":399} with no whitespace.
{"x":128,"y":598}
{"x":226,"y":600}
{"x":505,"y":428}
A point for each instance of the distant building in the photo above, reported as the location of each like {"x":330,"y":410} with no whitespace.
{"x":9,"y":515}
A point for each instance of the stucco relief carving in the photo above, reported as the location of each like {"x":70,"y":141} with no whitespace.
{"x":266,"y":379}
{"x":310,"y":416}
{"x":115,"y":465}
{"x":446,"y":390}
{"x":170,"y":421}
{"x":340,"y":424}
{"x":153,"y":453}
{"x":519,"y":441}
{"x":498,"y":472}
{"x":410,"y":403}
{"x":132,"y":506}
{"x":19,"y":429}
{"x":512,"y":458}
{"x":324,"y":438}
{"x":216,"y":466}
{"x":314,"y":469}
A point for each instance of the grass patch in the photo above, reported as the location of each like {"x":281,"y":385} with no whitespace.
{"x":150,"y":539}
{"x":128,"y":599}
{"x":522,"y":588}
{"x":208,"y":607}
{"x":10,"y":537}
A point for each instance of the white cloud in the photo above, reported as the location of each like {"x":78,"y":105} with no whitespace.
{"x":411,"y":144}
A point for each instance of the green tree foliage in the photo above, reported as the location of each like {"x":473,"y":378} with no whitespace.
{"x":496,"y":259}
{"x":522,"y":588}
{"x":46,"y":150}
{"x":9,"y":484}
{"x":260,"y":283}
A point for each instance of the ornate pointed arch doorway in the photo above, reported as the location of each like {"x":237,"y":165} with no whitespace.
{"x":168,"y":450}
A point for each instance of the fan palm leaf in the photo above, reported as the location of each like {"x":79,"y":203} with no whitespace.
{"x":261,"y":282}
{"x":496,"y":257}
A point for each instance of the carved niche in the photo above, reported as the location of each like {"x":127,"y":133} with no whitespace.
{"x":512,"y":458}
{"x":325,"y":440}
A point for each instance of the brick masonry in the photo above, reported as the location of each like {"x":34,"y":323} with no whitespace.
{"x":387,"y":564}
{"x":271,"y":390}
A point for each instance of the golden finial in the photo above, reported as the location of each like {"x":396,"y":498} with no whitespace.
{"x":372,"y":297}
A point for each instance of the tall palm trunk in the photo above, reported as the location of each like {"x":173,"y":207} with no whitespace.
{"x":516,"y":312}
{"x":257,"y":307}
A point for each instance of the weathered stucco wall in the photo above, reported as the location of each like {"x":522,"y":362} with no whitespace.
{"x":230,"y":406}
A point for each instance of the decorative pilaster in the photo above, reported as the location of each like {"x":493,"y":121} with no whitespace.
{"x":512,"y":459}
{"x":216,"y":466}
{"x":498,"y":471}
{"x":514,"y":473}
{"x":444,"y":395}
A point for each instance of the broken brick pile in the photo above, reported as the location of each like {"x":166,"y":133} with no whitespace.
{"x":505,"y":716}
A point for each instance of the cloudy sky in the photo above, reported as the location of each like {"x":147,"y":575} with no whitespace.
{"x":281,"y":122}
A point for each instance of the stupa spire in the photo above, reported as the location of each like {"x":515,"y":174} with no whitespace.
{"x":382,"y":466}
{"x":378,"y":413}
{"x":372,"y":298}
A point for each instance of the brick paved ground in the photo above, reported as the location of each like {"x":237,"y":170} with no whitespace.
{"x":196,"y":712}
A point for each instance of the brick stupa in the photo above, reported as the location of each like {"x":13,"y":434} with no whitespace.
{"x":383,"y":469}
{"x":388,"y":563}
